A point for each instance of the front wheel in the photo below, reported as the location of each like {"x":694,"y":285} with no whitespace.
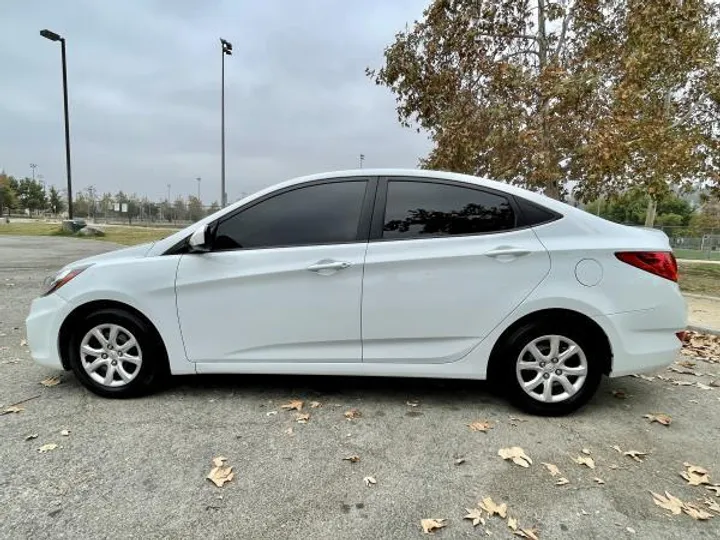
{"x":551,"y":371}
{"x":116,"y":354}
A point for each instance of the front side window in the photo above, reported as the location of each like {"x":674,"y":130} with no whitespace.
{"x":317,"y":214}
{"x":423,"y":209}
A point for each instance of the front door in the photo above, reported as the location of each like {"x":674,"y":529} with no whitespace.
{"x":283,"y":282}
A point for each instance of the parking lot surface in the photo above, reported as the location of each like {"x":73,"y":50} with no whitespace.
{"x":137,"y":468}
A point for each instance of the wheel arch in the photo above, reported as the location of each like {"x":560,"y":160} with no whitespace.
{"x":85,"y":309}
{"x":567,"y":316}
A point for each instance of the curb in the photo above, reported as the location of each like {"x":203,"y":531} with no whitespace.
{"x":701,"y":296}
{"x":703,"y":330}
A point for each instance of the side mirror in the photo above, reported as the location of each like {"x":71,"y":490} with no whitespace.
{"x":199,"y":241}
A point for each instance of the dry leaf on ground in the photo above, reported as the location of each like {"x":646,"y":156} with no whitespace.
{"x":562,"y":481}
{"x":294,"y":405}
{"x":668,"y":502}
{"x":712,"y":505}
{"x":23,"y":342}
{"x":531,"y":534}
{"x":352,"y":459}
{"x":480,"y":425}
{"x":460,"y":461}
{"x":620,"y":394}
{"x":586,"y":451}
{"x":683,"y":383}
{"x":660,"y":418}
{"x":221,"y":473}
{"x":302,"y":418}
{"x":289,"y":431}
{"x":552,"y":468}
{"x":49,"y":382}
{"x":65,"y":432}
{"x":517,"y":455}
{"x":599,"y":480}
{"x":585,"y":460}
{"x":47,"y":448}
{"x":315,"y":404}
{"x":352,"y":413}
{"x":683,"y":371}
{"x":31,"y":436}
{"x":702,"y":386}
{"x":13,"y":409}
{"x":475,"y":514}
{"x":696,"y":512}
{"x":686,"y":363}
{"x":412,"y":403}
{"x":431,"y":525}
{"x":271,"y":413}
{"x":695,"y":475}
{"x":512,"y":523}
{"x":369,"y":481}
{"x":616,"y":448}
{"x":492,"y":508}
{"x":715,"y":488}
{"x":636,"y":455}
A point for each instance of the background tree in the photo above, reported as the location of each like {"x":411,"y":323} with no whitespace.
{"x":179,"y":210}
{"x":214,"y":207}
{"x":55,"y":202}
{"x":31,"y":195}
{"x":540,"y":92}
{"x":195,"y":210}
{"x":8,"y":198}
{"x":630,"y":206}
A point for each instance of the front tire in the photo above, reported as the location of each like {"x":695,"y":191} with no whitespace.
{"x":551,"y":368}
{"x":116,"y":354}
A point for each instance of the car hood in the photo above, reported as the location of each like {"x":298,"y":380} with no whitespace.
{"x":134,"y":252}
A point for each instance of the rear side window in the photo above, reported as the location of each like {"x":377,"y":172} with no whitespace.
{"x":534,"y":214}
{"x":318,"y":214}
{"x":426,"y":209}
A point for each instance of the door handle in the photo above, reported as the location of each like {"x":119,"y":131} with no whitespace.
{"x":507,"y":251}
{"x":321,"y":266}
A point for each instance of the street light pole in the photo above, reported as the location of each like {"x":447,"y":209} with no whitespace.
{"x":33,"y":166}
{"x":226,"y":49}
{"x":198,"y":181}
{"x":52,"y":36}
{"x":362,"y":158}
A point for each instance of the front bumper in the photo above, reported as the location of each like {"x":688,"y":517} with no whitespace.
{"x":43,"y":329}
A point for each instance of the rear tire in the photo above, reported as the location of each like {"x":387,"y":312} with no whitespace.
{"x":116,"y":354}
{"x":550,"y":368}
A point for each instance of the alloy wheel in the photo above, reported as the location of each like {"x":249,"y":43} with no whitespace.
{"x":110,"y":355}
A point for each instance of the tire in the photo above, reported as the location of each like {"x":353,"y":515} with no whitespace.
{"x":573,"y":377}
{"x":114,"y":366}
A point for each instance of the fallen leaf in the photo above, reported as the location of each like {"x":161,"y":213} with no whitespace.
{"x":682,"y":371}
{"x":695,"y":475}
{"x":584,"y":512}
{"x":31,"y":436}
{"x":65,"y":433}
{"x":49,"y":382}
{"x":369,"y":481}
{"x":686,"y":363}
{"x":664,"y":378}
{"x":13,"y":409}
{"x":715,"y":383}
{"x":696,"y":512}
{"x":668,"y":502}
{"x":517,"y":455}
{"x":617,"y":448}
{"x":412,"y":403}
{"x":562,"y":481}
{"x":47,"y":448}
{"x":289,"y":431}
{"x":271,"y":413}
{"x":353,"y":413}
{"x":712,"y":505}
{"x":660,"y":418}
{"x":527,"y":533}
{"x":302,"y":418}
{"x":552,"y":468}
{"x":715,"y":488}
{"x":294,"y":405}
{"x":491,"y":508}
{"x":599,"y":480}
{"x":637,"y":456}
{"x":460,"y":461}
{"x":23,"y":342}
{"x":431,"y":525}
{"x":645,"y":377}
{"x":315,"y":404}
{"x":474,"y":514}
{"x":613,"y":467}
{"x":352,"y":459}
{"x":683,"y":383}
{"x":620,"y":394}
{"x":221,"y":473}
{"x":480,"y":425}
{"x":702,"y":386}
{"x":585,"y":460}
{"x":512,"y":523}
{"x":630,"y":530}
{"x":586,"y":451}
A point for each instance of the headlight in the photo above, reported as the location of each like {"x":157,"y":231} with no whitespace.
{"x":53,"y":283}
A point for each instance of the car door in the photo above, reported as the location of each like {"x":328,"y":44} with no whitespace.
{"x":446,"y":263}
{"x":283,"y":280}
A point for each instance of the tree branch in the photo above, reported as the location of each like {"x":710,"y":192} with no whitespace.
{"x":563,"y":32}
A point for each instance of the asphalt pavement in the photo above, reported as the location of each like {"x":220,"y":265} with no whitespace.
{"x":137,"y":468}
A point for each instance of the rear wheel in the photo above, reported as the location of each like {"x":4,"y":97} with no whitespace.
{"x":116,"y":354}
{"x":551,"y":369}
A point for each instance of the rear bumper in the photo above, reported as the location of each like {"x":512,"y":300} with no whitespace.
{"x":43,"y":328}
{"x":646,"y":340}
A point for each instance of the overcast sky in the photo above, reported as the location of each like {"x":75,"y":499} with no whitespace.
{"x":144,"y":79}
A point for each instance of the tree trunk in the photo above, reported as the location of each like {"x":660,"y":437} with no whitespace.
{"x":650,"y":212}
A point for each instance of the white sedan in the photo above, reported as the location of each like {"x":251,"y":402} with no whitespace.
{"x":374,"y":272}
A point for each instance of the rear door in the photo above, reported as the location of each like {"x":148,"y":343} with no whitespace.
{"x":446,"y":263}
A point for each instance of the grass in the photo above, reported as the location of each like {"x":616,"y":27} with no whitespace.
{"x":700,"y":278}
{"x":696,"y":254}
{"x":128,"y":236}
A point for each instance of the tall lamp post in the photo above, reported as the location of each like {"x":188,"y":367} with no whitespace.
{"x":52,"y":36}
{"x":226,"y":50}
{"x":198,"y":181}
{"x":362,"y":158}
{"x":33,"y":166}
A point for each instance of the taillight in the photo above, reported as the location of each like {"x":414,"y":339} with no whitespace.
{"x":660,"y":263}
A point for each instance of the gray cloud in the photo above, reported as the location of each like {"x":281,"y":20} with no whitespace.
{"x":145,"y":91}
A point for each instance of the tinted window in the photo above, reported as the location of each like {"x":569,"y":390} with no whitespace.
{"x":534,"y":214}
{"x":417,"y":209}
{"x":319,"y":214}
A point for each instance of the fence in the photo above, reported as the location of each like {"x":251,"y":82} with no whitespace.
{"x":693,"y":243}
